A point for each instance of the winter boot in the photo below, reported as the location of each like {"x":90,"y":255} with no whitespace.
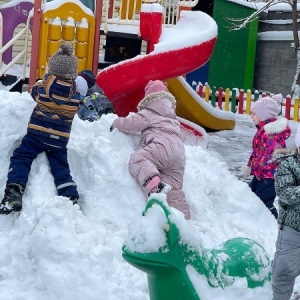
{"x":163,"y":188}
{"x":12,"y":200}
{"x":155,"y":185}
{"x":74,"y":199}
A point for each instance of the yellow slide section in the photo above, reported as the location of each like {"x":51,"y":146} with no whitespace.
{"x":193,"y":108}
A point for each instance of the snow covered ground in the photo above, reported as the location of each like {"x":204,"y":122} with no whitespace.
{"x":54,"y":251}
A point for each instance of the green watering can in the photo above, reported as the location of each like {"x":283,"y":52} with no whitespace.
{"x":167,"y":268}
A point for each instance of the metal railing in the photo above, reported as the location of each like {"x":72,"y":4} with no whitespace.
{"x":23,"y":53}
{"x":126,"y":12}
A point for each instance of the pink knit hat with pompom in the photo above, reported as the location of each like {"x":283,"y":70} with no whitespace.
{"x":154,"y":87}
{"x":266,"y":108}
{"x":278,"y":98}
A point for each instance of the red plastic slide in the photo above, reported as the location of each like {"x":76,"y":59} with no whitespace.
{"x":124,"y":82}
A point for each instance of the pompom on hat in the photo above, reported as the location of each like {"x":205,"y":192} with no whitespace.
{"x":89,"y":76}
{"x":297,"y":137}
{"x":266,"y":108}
{"x":278,"y":98}
{"x":63,"y":63}
{"x":154,"y":86}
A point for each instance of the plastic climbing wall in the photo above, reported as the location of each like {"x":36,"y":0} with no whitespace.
{"x":67,"y":22}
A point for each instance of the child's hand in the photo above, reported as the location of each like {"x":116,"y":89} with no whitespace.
{"x":245,"y":170}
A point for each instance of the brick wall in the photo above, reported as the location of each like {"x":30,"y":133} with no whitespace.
{"x":275,"y":63}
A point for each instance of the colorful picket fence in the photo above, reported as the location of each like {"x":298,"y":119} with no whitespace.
{"x":238,"y":101}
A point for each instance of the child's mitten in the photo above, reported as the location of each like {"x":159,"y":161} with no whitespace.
{"x":245,"y":170}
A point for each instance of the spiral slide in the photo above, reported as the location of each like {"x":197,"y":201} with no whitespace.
{"x":180,"y":49}
{"x":193,"y":108}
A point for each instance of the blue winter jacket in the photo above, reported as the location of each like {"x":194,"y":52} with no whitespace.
{"x":57,"y":103}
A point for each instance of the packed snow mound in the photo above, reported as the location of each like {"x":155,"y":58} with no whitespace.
{"x":53,"y":250}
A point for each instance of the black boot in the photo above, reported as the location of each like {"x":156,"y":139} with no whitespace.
{"x":74,"y":199}
{"x":12,"y":200}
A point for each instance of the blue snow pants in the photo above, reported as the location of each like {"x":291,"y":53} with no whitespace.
{"x":265,"y":190}
{"x":23,"y":156}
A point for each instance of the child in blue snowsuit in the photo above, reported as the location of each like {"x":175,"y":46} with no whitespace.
{"x":94,"y":102}
{"x":48,"y":131}
{"x":90,"y":78}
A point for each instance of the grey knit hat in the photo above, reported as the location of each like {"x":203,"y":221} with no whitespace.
{"x":63,"y":63}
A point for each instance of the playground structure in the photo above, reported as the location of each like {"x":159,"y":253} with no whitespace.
{"x":177,"y":269}
{"x":123,"y":81}
{"x":161,"y":62}
{"x":49,"y":24}
{"x":20,"y":11}
{"x":73,"y":25}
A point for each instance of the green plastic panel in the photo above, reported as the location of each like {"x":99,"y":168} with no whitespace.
{"x":232,"y":63}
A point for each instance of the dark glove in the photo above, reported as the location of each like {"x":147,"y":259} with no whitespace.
{"x":111,"y":128}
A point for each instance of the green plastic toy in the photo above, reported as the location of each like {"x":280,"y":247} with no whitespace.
{"x":167,"y":268}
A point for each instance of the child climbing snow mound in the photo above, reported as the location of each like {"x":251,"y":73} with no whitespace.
{"x":159,"y":164}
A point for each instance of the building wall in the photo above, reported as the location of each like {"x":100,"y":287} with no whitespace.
{"x":275,"y":63}
{"x":232,"y":63}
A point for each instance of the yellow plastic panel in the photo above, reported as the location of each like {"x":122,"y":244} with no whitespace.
{"x":68,"y":33}
{"x":82,"y":34}
{"x":82,"y":64}
{"x":187,"y":107}
{"x":52,"y":47}
{"x":81,"y":49}
{"x":131,"y":6}
{"x":54,"y":32}
{"x":64,"y":11}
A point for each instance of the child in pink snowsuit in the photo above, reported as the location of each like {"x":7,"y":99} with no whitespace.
{"x":160,"y":162}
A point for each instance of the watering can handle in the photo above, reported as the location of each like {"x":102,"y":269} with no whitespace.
{"x":170,"y":228}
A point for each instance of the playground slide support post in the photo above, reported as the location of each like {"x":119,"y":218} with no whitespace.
{"x":98,"y":18}
{"x":1,"y":37}
{"x":151,"y":28}
{"x":37,"y":13}
{"x":156,"y":28}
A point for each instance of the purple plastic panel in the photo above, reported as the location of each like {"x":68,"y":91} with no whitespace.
{"x":12,"y":17}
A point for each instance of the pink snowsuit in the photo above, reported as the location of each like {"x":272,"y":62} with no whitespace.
{"x":162,"y":150}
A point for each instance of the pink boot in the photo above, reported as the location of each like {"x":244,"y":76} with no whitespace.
{"x":155,"y":185}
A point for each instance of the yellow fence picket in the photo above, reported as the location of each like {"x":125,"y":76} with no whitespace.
{"x":290,"y":107}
